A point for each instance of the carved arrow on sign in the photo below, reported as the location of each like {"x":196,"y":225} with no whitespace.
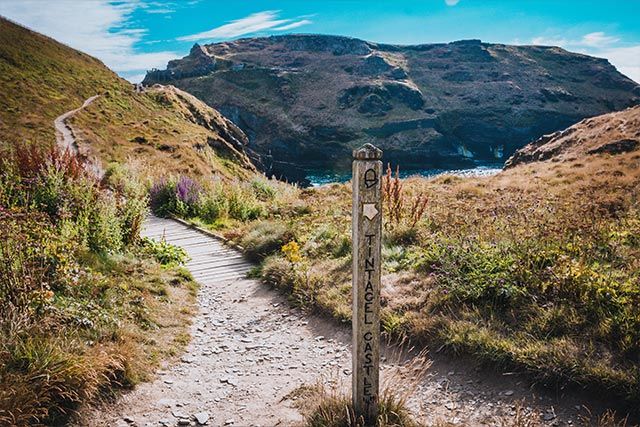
{"x":369,"y":210}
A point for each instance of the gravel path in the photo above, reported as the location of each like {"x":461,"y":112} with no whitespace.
{"x":250,"y":350}
{"x":65,"y":138}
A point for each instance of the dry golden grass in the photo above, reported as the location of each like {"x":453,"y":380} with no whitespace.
{"x":327,"y":404}
{"x":534,"y":268}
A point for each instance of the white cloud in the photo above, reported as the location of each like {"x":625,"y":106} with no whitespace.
{"x":293,"y":25}
{"x":97,"y":27}
{"x":451,"y":2}
{"x":625,"y":58}
{"x":598,"y":39}
{"x":261,"y":21}
{"x":548,"y":41}
{"x":159,"y":11}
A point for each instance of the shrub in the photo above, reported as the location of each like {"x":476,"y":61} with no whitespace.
{"x":175,"y":197}
{"x":105,"y":225}
{"x":263,"y":189}
{"x":188,"y":194}
{"x":242,"y":205}
{"x":291,"y":275}
{"x":133,"y":201}
{"x":276,"y":271}
{"x":213,"y":206}
{"x":265,"y":239}
{"x":162,"y":197}
{"x":33,"y":261}
{"x":166,"y":253}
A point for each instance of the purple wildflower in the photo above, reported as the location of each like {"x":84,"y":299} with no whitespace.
{"x":188,"y":191}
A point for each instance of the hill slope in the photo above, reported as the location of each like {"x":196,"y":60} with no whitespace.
{"x":40,"y":79}
{"x":308,"y":99}
{"x":614,"y":134}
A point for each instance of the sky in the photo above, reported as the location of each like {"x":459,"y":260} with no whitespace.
{"x":133,"y":36}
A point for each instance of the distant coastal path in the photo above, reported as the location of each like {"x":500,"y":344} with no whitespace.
{"x":250,"y":350}
{"x":66,"y":138}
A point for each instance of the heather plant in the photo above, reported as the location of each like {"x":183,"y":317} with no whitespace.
{"x":162,"y":197}
{"x":170,"y":196}
{"x":188,"y":194}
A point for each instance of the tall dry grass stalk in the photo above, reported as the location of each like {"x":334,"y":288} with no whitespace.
{"x":401,"y":207}
{"x":325,"y":406}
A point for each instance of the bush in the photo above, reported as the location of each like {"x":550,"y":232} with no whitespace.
{"x":243,"y":205}
{"x":162,"y":197}
{"x":263,"y":189}
{"x":105,"y":219}
{"x":33,"y":261}
{"x":105,"y":226}
{"x":265,"y":239}
{"x":213,"y":206}
{"x":179,"y":197}
{"x":166,"y":253}
{"x":133,"y":204}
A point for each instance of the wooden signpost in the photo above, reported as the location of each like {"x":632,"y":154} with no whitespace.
{"x":366,"y":234}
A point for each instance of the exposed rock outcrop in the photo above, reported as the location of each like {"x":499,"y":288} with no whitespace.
{"x":438,"y":105}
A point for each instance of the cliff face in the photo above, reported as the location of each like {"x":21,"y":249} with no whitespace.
{"x":306,"y":100}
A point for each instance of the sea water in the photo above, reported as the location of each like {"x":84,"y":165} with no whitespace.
{"x":322,"y":177}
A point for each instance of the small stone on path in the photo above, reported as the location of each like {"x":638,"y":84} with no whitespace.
{"x":202,"y":417}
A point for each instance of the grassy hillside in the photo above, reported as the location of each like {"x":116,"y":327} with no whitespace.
{"x":86,"y":306}
{"x":41,"y":79}
{"x":165,"y":129}
{"x":535,"y":269}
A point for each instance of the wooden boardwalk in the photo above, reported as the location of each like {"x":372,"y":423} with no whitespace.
{"x":211,"y":261}
{"x":250,"y":350}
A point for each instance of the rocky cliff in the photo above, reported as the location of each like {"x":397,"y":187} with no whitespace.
{"x":306,"y":100}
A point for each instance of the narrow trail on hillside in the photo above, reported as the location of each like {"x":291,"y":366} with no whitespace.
{"x":251,"y":349}
{"x":65,"y":137}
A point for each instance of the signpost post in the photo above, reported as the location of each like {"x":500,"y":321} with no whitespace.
{"x":367,"y":235}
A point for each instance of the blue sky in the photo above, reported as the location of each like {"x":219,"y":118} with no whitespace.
{"x":132,"y":36}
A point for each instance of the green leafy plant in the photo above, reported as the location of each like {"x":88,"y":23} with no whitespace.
{"x":166,"y":253}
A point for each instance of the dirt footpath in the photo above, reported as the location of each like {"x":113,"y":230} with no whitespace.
{"x":250,"y":350}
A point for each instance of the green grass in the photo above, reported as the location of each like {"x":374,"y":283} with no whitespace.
{"x":79,"y":294}
{"x":40,"y":80}
{"x":545,"y":282}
